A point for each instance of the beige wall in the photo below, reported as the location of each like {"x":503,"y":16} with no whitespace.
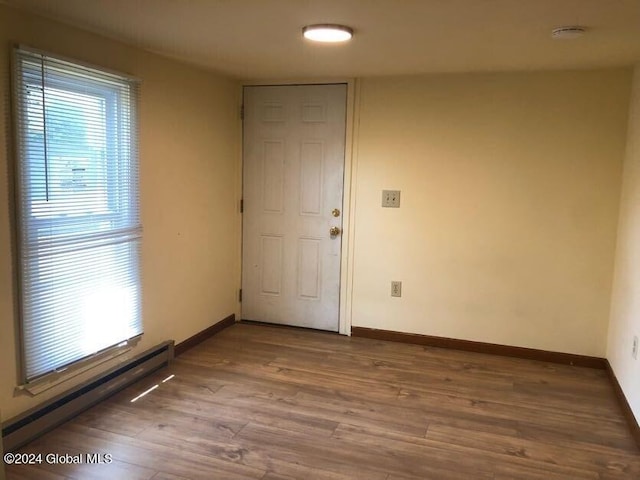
{"x":625,"y":304}
{"x":510,"y":186}
{"x":189,"y":151}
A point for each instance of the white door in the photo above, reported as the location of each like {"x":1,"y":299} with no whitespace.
{"x":294,"y":144}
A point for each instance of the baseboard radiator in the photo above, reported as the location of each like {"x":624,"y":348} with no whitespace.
{"x":22,"y":429}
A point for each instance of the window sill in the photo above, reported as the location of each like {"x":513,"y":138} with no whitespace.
{"x":51,"y":380}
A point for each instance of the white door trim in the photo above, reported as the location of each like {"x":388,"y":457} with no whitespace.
{"x":348,"y":201}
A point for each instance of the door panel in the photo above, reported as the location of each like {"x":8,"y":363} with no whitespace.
{"x":294,"y":144}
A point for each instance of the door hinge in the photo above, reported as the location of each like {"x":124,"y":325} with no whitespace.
{"x":242,"y":205}
{"x":241,"y":112}
{"x":240,"y":295}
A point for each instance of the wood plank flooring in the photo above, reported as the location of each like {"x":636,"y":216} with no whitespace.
{"x":258,"y":402}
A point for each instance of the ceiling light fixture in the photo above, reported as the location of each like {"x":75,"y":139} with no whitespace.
{"x":567,"y":33}
{"x":327,"y":33}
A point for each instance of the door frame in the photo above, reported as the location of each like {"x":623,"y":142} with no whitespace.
{"x":348,"y":195}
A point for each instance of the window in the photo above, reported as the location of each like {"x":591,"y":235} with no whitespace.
{"x":78,"y":211}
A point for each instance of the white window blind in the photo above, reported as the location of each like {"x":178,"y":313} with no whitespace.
{"x":78,"y":211}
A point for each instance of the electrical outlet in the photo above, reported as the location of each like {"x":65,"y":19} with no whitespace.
{"x":634,"y":350}
{"x":396,"y":289}
{"x":391,"y":198}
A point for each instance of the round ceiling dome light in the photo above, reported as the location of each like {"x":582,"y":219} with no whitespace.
{"x":568,"y":33}
{"x":327,"y":33}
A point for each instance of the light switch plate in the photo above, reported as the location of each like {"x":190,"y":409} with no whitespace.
{"x":391,"y":198}
{"x":396,"y":289}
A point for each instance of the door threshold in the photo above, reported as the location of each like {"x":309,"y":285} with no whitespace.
{"x":281,"y":325}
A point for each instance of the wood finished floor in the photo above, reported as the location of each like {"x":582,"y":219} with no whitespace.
{"x":258,"y":402}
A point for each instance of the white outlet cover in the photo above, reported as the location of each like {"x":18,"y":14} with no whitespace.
{"x":391,"y":198}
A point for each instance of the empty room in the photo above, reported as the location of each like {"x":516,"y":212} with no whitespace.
{"x":320,"y":239}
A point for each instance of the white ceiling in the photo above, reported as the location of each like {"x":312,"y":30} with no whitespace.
{"x":261,"y":39}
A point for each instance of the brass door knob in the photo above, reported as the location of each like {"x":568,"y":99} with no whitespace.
{"x":334,"y":231}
